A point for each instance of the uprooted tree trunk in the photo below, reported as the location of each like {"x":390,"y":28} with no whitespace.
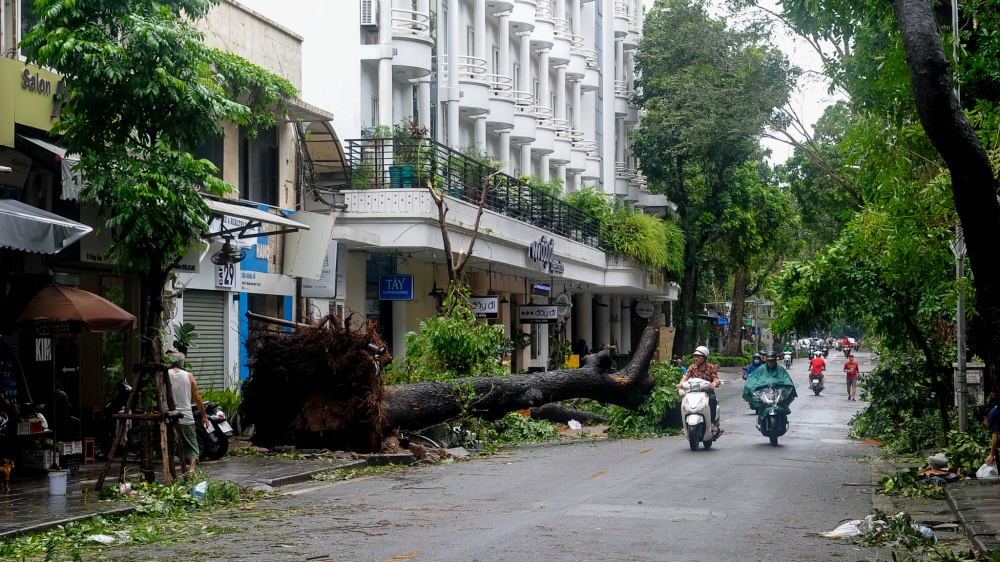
{"x":317,"y":387}
{"x":423,"y":404}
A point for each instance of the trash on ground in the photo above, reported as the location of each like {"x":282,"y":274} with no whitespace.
{"x":200,"y":490}
{"x":882,"y":528}
{"x":844,"y":530}
{"x":987,"y":471}
{"x":573,"y":424}
{"x":103,"y":539}
{"x":939,"y":460}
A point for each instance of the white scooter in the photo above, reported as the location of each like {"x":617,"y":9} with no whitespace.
{"x":695,"y":413}
{"x":788,"y":359}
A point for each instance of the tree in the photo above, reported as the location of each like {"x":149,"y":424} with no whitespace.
{"x":709,"y":92}
{"x":142,"y":91}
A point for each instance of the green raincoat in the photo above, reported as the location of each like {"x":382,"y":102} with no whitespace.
{"x":764,"y":376}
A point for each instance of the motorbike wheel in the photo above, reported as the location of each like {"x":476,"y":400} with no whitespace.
{"x":693,"y":439}
{"x":816,"y":390}
{"x":708,"y":444}
{"x":212,"y":451}
{"x":774,"y":436}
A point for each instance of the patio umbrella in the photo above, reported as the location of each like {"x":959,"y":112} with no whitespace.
{"x":73,"y":310}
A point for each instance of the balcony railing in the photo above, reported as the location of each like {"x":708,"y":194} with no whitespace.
{"x":410,"y":163}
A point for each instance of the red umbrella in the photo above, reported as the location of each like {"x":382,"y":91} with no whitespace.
{"x":73,"y":310}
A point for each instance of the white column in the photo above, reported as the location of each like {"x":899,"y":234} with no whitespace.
{"x":602,"y":322}
{"x":620,"y":135}
{"x":481,"y":132}
{"x":615,"y":319}
{"x":505,"y":150}
{"x":525,"y":77}
{"x":385,"y":66}
{"x":526,"y":159}
{"x":424,"y":101}
{"x":625,"y":343}
{"x":543,"y":79}
{"x":561,"y":176}
{"x":630,"y":70}
{"x":560,"y":109}
{"x":453,"y":54}
{"x":479,"y":26}
{"x":575,"y":8}
{"x":607,"y":64}
{"x":543,"y":167}
{"x":619,"y":60}
{"x":503,"y":27}
{"x":577,"y":105}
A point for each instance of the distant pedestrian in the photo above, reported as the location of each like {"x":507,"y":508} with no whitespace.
{"x":581,"y":348}
{"x":851,"y":369}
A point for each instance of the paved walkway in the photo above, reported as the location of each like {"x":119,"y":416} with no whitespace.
{"x":976,"y":505}
{"x":29,"y":507}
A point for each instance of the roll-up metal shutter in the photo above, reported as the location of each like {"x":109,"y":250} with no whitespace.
{"x":204,"y":309}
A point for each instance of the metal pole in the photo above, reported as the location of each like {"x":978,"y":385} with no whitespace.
{"x":958,"y":248}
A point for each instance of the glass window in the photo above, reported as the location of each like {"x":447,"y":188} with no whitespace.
{"x":259,"y":166}
{"x":27,"y":19}
{"x":212,"y":150}
{"x":517,"y":77}
{"x":470,"y":40}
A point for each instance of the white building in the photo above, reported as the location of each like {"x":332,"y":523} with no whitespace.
{"x":543,"y":86}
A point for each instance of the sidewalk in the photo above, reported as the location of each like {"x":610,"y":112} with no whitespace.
{"x":976,"y":505}
{"x":29,"y":507}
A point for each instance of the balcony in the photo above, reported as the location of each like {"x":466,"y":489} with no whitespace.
{"x":501,"y":103}
{"x":522,"y":17}
{"x":412,"y":42}
{"x":561,"y":153}
{"x":499,"y":6}
{"x":525,"y":120}
{"x":577,"y":66}
{"x":632,"y":116}
{"x":563,"y":40}
{"x":545,"y":131}
{"x":621,"y":98}
{"x":592,"y":72}
{"x":621,"y":179}
{"x":473,"y":81}
{"x":543,"y":35}
{"x":622,"y":18}
{"x":386,"y":163}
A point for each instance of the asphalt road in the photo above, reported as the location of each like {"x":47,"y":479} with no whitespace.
{"x":639,"y":500}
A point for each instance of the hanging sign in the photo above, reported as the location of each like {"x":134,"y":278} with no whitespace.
{"x":643,"y":308}
{"x":395,"y":287}
{"x":485,"y":307}
{"x":538,"y":314}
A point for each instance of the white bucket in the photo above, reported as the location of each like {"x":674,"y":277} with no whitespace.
{"x":57,"y":483}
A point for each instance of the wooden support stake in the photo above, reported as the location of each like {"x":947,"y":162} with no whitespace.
{"x":161,"y":404}
{"x":119,"y":432}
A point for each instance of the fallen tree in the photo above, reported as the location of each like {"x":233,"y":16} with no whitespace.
{"x":317,"y":386}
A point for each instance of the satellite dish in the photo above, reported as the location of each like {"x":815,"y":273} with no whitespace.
{"x":229,"y":254}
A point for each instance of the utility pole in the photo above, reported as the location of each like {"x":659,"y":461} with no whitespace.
{"x":958,"y":248}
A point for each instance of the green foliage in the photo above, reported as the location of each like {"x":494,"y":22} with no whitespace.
{"x":229,"y":399}
{"x":645,"y":239}
{"x":906,"y":484}
{"x":522,"y":429}
{"x":647,"y":420}
{"x":894,"y":531}
{"x":184,"y":336}
{"x":967,"y":451}
{"x":451,"y":345}
{"x":590,"y":200}
{"x":362,"y":174}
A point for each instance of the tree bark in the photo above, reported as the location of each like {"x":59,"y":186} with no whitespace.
{"x":734,"y":338}
{"x":974,"y":187}
{"x":423,"y":404}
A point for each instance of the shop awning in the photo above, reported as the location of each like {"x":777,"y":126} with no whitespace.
{"x":241,"y":221}
{"x":326,"y":154}
{"x":31,"y":229}
{"x":55,"y":156}
{"x":299,"y":110}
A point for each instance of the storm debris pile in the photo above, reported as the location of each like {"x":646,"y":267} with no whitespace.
{"x":315,"y":385}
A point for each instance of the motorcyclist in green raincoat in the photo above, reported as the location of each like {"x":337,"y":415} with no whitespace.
{"x":770,"y":373}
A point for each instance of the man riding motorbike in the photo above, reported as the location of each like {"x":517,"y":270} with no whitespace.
{"x":702,"y":369}
{"x":770,"y":375}
{"x":816,"y":367}
{"x":789,"y":348}
{"x":757,"y":362}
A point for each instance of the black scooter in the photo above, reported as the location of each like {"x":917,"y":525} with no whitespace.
{"x":214,"y":444}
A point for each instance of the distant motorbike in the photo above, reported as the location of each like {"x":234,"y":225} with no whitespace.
{"x":772,"y":415}
{"x":847,"y":350}
{"x":815,"y":384}
{"x":695,"y":412}
{"x":788,"y":359}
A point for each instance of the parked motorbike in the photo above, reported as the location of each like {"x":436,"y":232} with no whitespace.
{"x":815,"y":384}
{"x":131,"y":442}
{"x":214,"y":444}
{"x":788,"y":359}
{"x":772,"y":411}
{"x":695,"y":412}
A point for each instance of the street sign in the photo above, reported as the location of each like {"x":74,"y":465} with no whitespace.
{"x":395,"y":287}
{"x":722,"y":321}
{"x":485,"y":307}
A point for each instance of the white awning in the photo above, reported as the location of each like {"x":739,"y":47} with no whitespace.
{"x":247,"y":221}
{"x":31,"y":229}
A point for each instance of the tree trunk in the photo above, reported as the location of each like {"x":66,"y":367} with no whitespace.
{"x":734,"y":338}
{"x":423,"y":404}
{"x":974,"y":187}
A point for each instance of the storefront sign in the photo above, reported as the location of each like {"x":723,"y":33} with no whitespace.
{"x":564,"y":304}
{"x":543,"y":250}
{"x":644,"y":308}
{"x":395,"y":287}
{"x":538,"y":314}
{"x":35,"y":83}
{"x":485,"y":307}
{"x":225,"y":276}
{"x":372,"y":308}
{"x":326,"y":286}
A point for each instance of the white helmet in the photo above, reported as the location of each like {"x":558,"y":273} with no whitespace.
{"x":702,"y":350}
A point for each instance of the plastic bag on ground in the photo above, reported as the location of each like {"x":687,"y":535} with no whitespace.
{"x":844,"y":530}
{"x":987,"y":471}
{"x":573,"y":424}
{"x":939,"y":460}
{"x":200,"y":490}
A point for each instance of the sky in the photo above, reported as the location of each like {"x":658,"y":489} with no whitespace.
{"x":310,"y":19}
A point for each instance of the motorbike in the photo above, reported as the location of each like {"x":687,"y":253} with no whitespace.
{"x":826,"y":352}
{"x":788,"y":359}
{"x":214,"y":444}
{"x":131,"y":442}
{"x":772,"y":415}
{"x":847,"y":351}
{"x":695,"y":413}
{"x":815,"y":384}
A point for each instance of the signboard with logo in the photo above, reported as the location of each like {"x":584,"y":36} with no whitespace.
{"x":485,"y":307}
{"x":538,"y":314}
{"x":226,"y":275}
{"x":722,"y":321}
{"x":395,"y":287}
{"x":326,"y":285}
{"x":542,"y":250}
{"x":643,"y":308}
{"x":564,"y":304}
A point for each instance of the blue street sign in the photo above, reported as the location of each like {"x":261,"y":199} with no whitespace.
{"x":395,"y":287}
{"x":722,"y":321}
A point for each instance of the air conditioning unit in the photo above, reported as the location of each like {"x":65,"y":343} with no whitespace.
{"x":369,"y":13}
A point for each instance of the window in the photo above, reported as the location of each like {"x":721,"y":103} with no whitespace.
{"x":470,"y":40}
{"x":212,"y":150}
{"x":569,"y":115}
{"x":517,"y":77}
{"x":534,"y":91}
{"x":259,"y":166}
{"x":374,"y":109}
{"x":496,"y":60}
{"x":552,"y":101}
{"x":27,"y":19}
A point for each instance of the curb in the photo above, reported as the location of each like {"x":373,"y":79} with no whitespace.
{"x":113,"y":512}
{"x":982,"y":535}
{"x":370,"y":460}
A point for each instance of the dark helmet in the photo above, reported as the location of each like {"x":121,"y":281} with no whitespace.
{"x":757,"y":356}
{"x":772,"y":355}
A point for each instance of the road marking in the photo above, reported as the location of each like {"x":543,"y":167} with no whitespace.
{"x":674,"y":514}
{"x":597,"y":475}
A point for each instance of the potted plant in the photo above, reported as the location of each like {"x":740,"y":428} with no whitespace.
{"x":407,"y":140}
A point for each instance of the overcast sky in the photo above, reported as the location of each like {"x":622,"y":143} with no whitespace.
{"x":312,"y":20}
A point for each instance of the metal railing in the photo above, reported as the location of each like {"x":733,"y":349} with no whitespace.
{"x":382,"y":163}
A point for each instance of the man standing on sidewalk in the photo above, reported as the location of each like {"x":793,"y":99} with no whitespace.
{"x":184,"y":390}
